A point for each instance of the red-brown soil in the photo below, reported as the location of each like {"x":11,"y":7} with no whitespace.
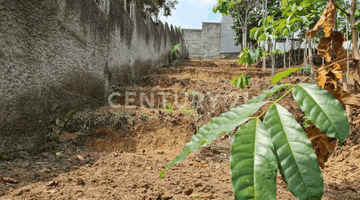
{"x":117,"y":153}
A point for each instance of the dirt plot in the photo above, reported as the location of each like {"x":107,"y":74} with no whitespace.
{"x":117,"y":153}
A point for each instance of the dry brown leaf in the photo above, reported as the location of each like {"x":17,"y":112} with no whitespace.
{"x":326,"y":19}
{"x":343,"y":97}
{"x":330,"y":19}
{"x":322,"y":144}
{"x":324,"y":48}
{"x":338,"y":40}
{"x":331,"y":75}
{"x":335,"y":73}
{"x":321,"y":78}
{"x":311,"y":33}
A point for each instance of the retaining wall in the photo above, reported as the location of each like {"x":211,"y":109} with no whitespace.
{"x":57,"y":55}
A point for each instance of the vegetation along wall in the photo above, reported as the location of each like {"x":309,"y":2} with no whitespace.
{"x":58,"y":55}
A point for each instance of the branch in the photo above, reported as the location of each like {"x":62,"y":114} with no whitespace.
{"x":342,"y":10}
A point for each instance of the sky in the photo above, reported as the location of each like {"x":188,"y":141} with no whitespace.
{"x":191,"y":14}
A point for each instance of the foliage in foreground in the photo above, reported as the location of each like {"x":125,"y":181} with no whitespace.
{"x":259,"y":148}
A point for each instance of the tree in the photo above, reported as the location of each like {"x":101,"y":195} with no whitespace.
{"x":355,"y":35}
{"x":241,"y":12}
{"x":154,"y":8}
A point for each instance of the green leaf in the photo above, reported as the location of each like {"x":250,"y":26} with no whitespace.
{"x":268,"y":20}
{"x":288,"y":20}
{"x":258,"y":33}
{"x":247,"y":80}
{"x":323,"y":109}
{"x":285,"y":32}
{"x":293,"y":7}
{"x":252,"y":55}
{"x":304,"y":19}
{"x":252,"y":32}
{"x":238,"y":81}
{"x":267,"y":93}
{"x":307,"y":67}
{"x":297,"y":161}
{"x":253,"y":163}
{"x":277,"y":77}
{"x":260,"y":21}
{"x":242,"y":82}
{"x":233,"y":81}
{"x":225,"y":123}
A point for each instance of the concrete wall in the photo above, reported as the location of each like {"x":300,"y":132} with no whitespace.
{"x":211,"y":37}
{"x":205,"y":42}
{"x":194,"y":42}
{"x":227,"y":33}
{"x":57,"y":55}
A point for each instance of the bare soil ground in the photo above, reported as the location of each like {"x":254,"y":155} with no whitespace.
{"x":117,"y":153}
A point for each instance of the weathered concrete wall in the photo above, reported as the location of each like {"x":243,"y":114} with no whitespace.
{"x":194,"y":42}
{"x":205,"y":42}
{"x":227,"y":34}
{"x":211,"y":37}
{"x":57,"y":55}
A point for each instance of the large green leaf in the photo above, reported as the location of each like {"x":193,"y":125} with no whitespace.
{"x":267,"y":93}
{"x":258,"y":32}
{"x":225,"y":123}
{"x":297,"y":161}
{"x":277,"y":77}
{"x":323,"y":109}
{"x":253,"y":163}
{"x":252,"y":32}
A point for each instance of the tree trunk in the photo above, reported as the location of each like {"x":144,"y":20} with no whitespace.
{"x":272,"y":61}
{"x":335,"y":22}
{"x":347,"y":51}
{"x":267,"y":50}
{"x":305,"y":51}
{"x":311,"y":62}
{"x":299,"y":59}
{"x":244,"y":34}
{"x":291,"y":48}
{"x":355,"y":53}
{"x":355,"y":37}
{"x":264,"y":16}
{"x":264,"y":60}
{"x":285,"y":54}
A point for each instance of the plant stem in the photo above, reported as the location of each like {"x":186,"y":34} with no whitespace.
{"x":272,"y":103}
{"x":277,"y":100}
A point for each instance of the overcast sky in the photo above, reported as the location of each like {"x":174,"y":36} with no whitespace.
{"x":191,"y":14}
